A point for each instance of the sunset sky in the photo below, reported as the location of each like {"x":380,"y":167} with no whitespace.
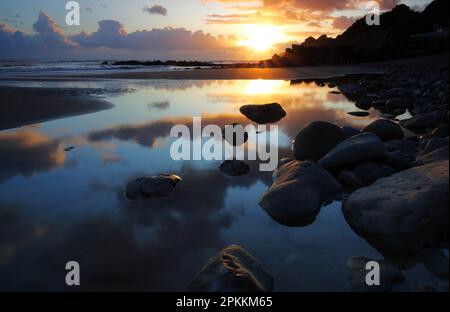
{"x":172,"y":29}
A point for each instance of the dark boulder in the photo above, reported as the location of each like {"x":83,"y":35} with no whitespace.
{"x":263,"y":114}
{"x":317,"y":139}
{"x":385,"y":129}
{"x":297,"y":193}
{"x":359,"y":148}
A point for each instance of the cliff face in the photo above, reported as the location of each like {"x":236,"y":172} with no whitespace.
{"x":402,"y":32}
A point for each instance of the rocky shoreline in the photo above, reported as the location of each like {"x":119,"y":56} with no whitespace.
{"x":391,"y":176}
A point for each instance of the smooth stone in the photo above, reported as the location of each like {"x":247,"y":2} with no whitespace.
{"x":434,"y":144}
{"x":233,"y":269}
{"x":399,"y":160}
{"x":298,"y":191}
{"x":405,"y":145}
{"x":350,"y":180}
{"x":349,"y":131}
{"x":397,"y":104}
{"x":369,"y":172}
{"x":359,"y":114}
{"x":263,"y":114}
{"x":359,"y":148}
{"x":404,"y":213}
{"x":422,"y":122}
{"x":234,"y":167}
{"x":356,"y":275}
{"x":146,"y":187}
{"x":317,"y":139}
{"x":437,"y":155}
{"x":385,"y":129}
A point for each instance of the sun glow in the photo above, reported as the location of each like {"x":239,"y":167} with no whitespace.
{"x":261,"y":38}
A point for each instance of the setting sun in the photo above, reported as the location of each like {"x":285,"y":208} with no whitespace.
{"x":261,"y":37}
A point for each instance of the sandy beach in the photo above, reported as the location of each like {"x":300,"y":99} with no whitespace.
{"x":19,"y":105}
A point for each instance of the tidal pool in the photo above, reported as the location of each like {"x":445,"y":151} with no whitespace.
{"x":58,"y":205}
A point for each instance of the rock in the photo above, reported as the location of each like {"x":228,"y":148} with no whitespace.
{"x":350,"y":180}
{"x":237,"y":134}
{"x":369,"y":172}
{"x":146,"y":187}
{"x":364,"y":104}
{"x":359,"y":114}
{"x":437,"y":155}
{"x":434,"y":144}
{"x":397,"y":105}
{"x":404,"y":213}
{"x":351,"y":89}
{"x":441,"y":131}
{"x":234,"y":167}
{"x":357,"y":272}
{"x":297,"y":193}
{"x":349,"y":131}
{"x":317,"y":139}
{"x":359,"y":148}
{"x":394,"y":93}
{"x":234,"y":269}
{"x":386,"y":130}
{"x":399,"y":160}
{"x":263,"y":114}
{"x":405,"y":145}
{"x":422,"y":122}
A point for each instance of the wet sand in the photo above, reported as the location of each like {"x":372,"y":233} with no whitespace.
{"x":24,"y":106}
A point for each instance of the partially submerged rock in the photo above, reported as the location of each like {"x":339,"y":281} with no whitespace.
{"x":234,"y":167}
{"x":359,"y":148}
{"x":359,"y":114}
{"x":234,"y":269}
{"x":263,"y":114}
{"x":298,"y":191}
{"x":146,"y":187}
{"x":403,"y":213}
{"x":385,"y":129}
{"x":317,"y":139}
{"x":357,"y":272}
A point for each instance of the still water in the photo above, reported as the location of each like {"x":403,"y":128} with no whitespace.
{"x":57,"y":205}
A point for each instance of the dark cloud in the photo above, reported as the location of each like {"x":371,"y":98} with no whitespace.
{"x":112,"y":34}
{"x":51,"y":41}
{"x":156,"y":9}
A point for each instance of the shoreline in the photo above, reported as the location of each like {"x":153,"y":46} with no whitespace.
{"x":19,"y":104}
{"x":281,"y":73}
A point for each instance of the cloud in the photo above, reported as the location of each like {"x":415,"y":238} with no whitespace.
{"x":343,"y":22}
{"x":156,"y":9}
{"x":26,"y":152}
{"x":112,"y":34}
{"x":112,"y":39}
